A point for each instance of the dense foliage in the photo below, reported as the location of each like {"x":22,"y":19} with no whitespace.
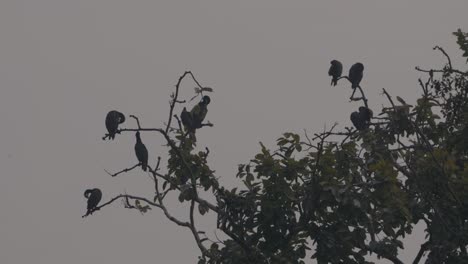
{"x":336,"y":196}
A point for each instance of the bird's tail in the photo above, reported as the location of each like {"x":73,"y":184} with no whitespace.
{"x":144,"y":167}
{"x":88,"y":212}
{"x":334,"y":81}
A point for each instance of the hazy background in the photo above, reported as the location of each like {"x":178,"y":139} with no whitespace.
{"x":65,"y":63}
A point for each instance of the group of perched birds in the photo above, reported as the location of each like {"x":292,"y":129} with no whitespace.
{"x":113,"y":120}
{"x":191,"y":120}
{"x":362,"y":118}
{"x":355,"y":73}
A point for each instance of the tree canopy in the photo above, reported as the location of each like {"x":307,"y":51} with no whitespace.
{"x":337,"y":196}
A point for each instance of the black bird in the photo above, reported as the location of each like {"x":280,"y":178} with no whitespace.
{"x":141,"y":151}
{"x":199,"y":112}
{"x":187,"y":121}
{"x":355,"y":74}
{"x":362,"y":118}
{"x":186,"y":118}
{"x":113,"y":119}
{"x":94,"y":197}
{"x":358,"y":121}
{"x":335,"y":71}
{"x":365,"y":113}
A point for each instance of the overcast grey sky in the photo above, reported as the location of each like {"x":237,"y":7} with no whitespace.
{"x":65,"y":63}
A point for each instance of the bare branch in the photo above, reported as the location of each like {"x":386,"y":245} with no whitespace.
{"x":156,"y":168}
{"x":388,"y":97}
{"x":166,"y":212}
{"x":122,"y":171}
{"x":440,"y":71}
{"x":449,"y":61}
{"x":178,"y":122}
{"x":126,"y":196}
{"x":363,"y":96}
{"x":194,"y":230}
{"x":137,"y":120}
{"x":174,"y":100}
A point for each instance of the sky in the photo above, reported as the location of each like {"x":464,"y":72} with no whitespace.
{"x":65,"y":63}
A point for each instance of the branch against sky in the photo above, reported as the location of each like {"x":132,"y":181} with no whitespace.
{"x":350,"y":193}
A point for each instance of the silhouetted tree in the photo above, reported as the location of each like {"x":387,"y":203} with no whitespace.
{"x":340,"y":195}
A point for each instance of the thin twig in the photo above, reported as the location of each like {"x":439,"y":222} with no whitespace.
{"x":174,"y":100}
{"x":445,"y":54}
{"x":122,"y":171}
{"x":137,"y":120}
{"x":125,"y":196}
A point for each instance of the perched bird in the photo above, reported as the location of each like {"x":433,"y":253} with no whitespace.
{"x":187,"y":121}
{"x":94,"y":197}
{"x":355,"y":74}
{"x":199,"y":112}
{"x":362,"y":118}
{"x":141,"y":152}
{"x":365,"y":113}
{"x":358,"y":123}
{"x":113,"y":119}
{"x":335,"y":71}
{"x":186,"y":118}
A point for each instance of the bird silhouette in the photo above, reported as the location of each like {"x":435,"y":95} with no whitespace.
{"x":186,"y":118}
{"x":335,"y":71}
{"x":365,"y":113}
{"x":187,"y":121}
{"x":141,"y":152}
{"x":199,"y":111}
{"x":362,"y":118}
{"x":94,"y":197}
{"x":355,"y":74}
{"x":113,"y":119}
{"x":357,"y":121}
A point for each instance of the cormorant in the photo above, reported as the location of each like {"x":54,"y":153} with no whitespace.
{"x":365,"y":113}
{"x":113,"y":119}
{"x":336,"y":69}
{"x":355,"y":74}
{"x":141,"y":151}
{"x":94,"y":197}
{"x":358,"y":121}
{"x":187,"y":121}
{"x":199,"y":112}
{"x":186,"y":118}
{"x":362,"y":118}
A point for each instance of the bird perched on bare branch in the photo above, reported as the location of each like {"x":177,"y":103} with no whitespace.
{"x":113,"y":119}
{"x":141,"y":152}
{"x":94,"y":197}
{"x":199,"y":111}
{"x":335,"y":71}
{"x":355,"y":74}
{"x":186,"y":119}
